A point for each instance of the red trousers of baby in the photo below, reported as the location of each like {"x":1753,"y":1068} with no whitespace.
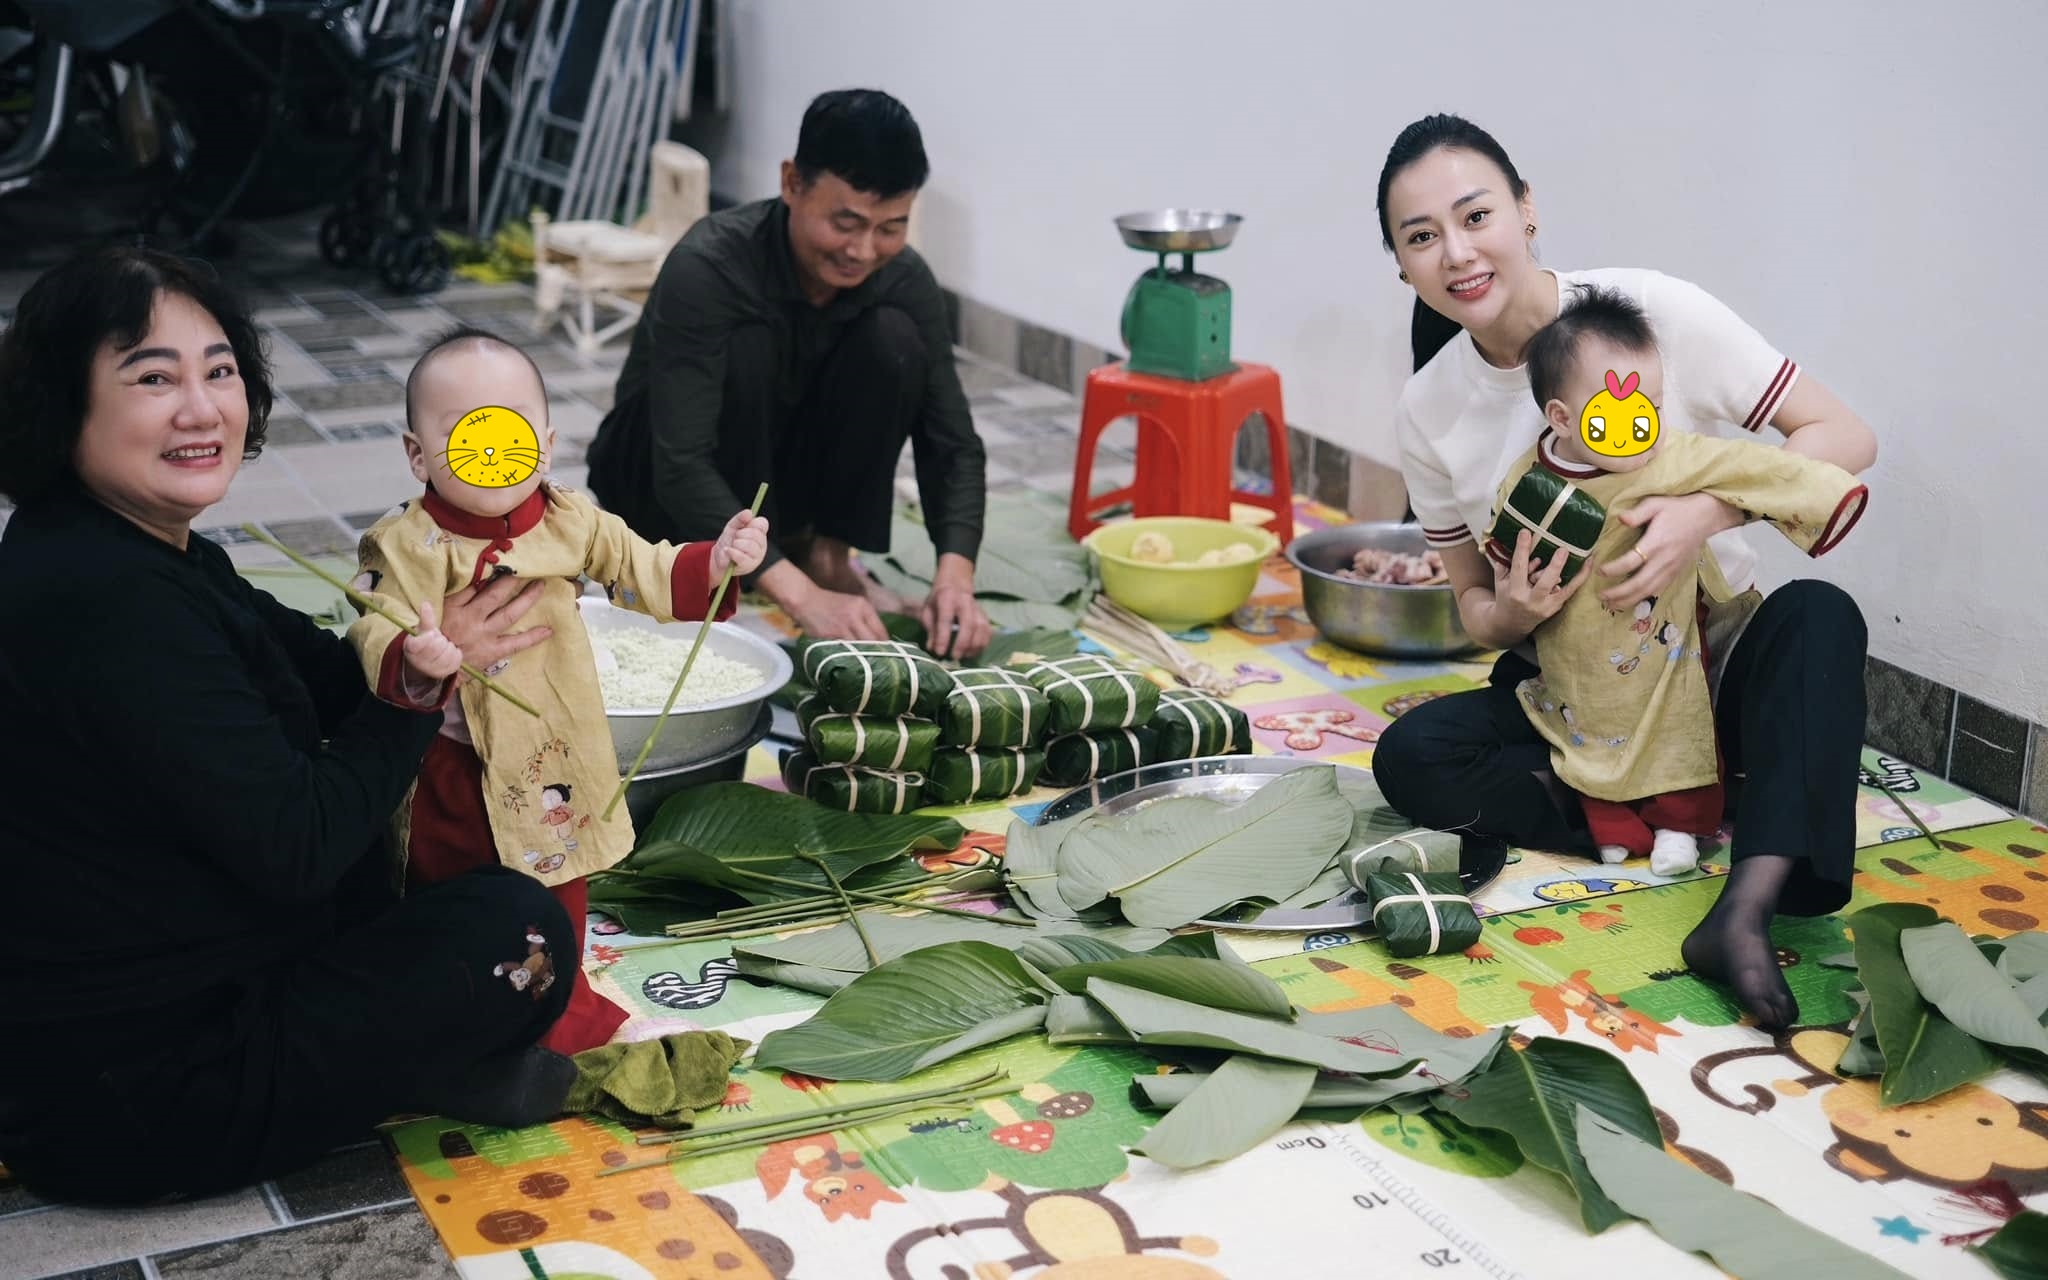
{"x":451,"y":835}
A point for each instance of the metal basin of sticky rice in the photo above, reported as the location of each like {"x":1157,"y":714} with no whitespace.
{"x":700,"y":733}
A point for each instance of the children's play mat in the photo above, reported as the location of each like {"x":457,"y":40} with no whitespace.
{"x":1039,"y":1183}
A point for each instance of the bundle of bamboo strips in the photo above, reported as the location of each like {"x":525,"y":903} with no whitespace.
{"x":1109,"y":623}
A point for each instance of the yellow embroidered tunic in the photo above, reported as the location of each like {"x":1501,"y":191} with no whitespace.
{"x":1622,"y":697}
{"x":546,"y":779}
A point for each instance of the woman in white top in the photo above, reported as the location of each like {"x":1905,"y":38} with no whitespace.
{"x":1789,"y":705}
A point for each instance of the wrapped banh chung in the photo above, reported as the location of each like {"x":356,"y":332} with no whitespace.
{"x":962,"y":775}
{"x":1190,"y":724}
{"x":879,"y":678}
{"x":900,"y":745}
{"x":1561,"y":515}
{"x":851,"y":788}
{"x":1079,"y":757}
{"x":992,"y":707}
{"x":1088,"y":694}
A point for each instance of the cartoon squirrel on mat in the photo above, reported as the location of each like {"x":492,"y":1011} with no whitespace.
{"x":1074,"y":1235}
{"x":1954,"y":1141}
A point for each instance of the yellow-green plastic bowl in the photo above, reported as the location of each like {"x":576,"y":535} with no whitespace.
{"x":1183,"y":594}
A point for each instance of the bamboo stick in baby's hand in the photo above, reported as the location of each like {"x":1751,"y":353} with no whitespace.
{"x":690,"y":660}
{"x":410,"y":628}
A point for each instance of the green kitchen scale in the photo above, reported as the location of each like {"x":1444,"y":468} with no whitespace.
{"x":1176,"y":320}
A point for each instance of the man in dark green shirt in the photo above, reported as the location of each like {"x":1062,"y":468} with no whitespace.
{"x":800,"y":341}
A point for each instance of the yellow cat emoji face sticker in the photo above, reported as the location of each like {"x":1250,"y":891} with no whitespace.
{"x":1619,"y":421}
{"x":493,"y":448}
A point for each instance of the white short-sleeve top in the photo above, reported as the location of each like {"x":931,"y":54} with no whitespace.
{"x":1461,"y":422}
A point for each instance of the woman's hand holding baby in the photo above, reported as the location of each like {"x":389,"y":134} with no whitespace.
{"x":430,"y":656}
{"x":741,"y":546}
{"x":1674,"y":530}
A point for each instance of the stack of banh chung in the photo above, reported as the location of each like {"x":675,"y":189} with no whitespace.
{"x":1099,"y":716}
{"x":871,"y":729}
{"x":992,"y":735}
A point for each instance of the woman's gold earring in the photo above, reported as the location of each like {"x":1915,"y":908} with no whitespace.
{"x":1404,"y":277}
{"x":1532,"y":228}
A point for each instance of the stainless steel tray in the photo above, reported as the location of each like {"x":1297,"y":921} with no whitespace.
{"x":1231,"y":779}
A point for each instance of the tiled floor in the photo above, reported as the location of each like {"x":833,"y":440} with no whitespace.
{"x":340,"y":346}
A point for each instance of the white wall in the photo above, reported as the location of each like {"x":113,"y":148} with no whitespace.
{"x":1861,"y":179}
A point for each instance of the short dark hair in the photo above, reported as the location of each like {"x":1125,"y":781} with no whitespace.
{"x":1589,"y":311}
{"x":97,"y":297}
{"x":864,"y":137}
{"x":456,"y":336}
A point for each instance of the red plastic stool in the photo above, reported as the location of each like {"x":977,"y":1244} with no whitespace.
{"x":1187,"y":444}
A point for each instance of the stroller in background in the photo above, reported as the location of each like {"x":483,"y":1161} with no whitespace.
{"x":213,"y":108}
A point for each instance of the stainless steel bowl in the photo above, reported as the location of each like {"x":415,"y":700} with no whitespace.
{"x":1391,"y":621}
{"x":1178,"y":230}
{"x":707,"y":731}
{"x":648,"y":792}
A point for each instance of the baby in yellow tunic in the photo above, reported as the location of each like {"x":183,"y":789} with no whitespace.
{"x":499,"y":785}
{"x":1623,"y":697}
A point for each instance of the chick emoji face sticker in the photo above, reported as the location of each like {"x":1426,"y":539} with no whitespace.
{"x":1619,"y":421}
{"x":493,"y":448}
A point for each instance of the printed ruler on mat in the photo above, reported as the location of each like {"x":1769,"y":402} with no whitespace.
{"x":1411,"y":1235}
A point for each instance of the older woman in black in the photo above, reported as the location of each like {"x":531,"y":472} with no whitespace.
{"x":207,"y":980}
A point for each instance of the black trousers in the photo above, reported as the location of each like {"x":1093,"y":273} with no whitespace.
{"x":256,"y":1081}
{"x":831,"y":465}
{"x":1790,"y":719}
{"x":829,"y":459}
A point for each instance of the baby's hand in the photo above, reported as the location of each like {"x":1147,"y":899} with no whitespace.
{"x":742,"y":546}
{"x":431,"y":655}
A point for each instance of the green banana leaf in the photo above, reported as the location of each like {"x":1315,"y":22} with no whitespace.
{"x":1031,"y":869}
{"x":1746,"y":1237}
{"x":839,"y":947}
{"x":1216,"y":984}
{"x":1162,"y":1020}
{"x":1026,"y":552}
{"x":739,"y":817}
{"x":1954,"y":977}
{"x":2020,"y":1249}
{"x":2023,"y":956}
{"x":649,"y":908}
{"x":1245,"y":1101}
{"x":1079,"y":1020}
{"x":1183,"y":858}
{"x":1533,"y":1096}
{"x":911,"y":1013}
{"x":1925,"y":1054}
{"x":1029,"y":644}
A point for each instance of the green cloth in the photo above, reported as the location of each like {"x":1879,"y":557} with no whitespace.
{"x":959,"y":775}
{"x":882,"y":678}
{"x":1422,"y":914}
{"x":663,"y":1082}
{"x":990,"y":707}
{"x":838,"y":738}
{"x":1558,"y":512}
{"x":1079,"y":757}
{"x":851,"y":788}
{"x":1191,"y":724}
{"x":1088,"y":694}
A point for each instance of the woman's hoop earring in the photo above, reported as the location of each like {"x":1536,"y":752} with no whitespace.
{"x":1404,"y":277}
{"x":1531,"y":228}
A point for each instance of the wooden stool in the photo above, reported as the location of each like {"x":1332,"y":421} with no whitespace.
{"x":1187,"y":445}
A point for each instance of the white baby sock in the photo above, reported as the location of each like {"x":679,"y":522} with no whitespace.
{"x":1674,"y":853}
{"x":1613,"y":854}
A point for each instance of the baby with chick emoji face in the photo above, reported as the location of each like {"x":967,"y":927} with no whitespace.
{"x":1605,"y":419}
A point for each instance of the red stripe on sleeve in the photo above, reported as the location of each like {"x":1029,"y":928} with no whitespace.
{"x":1768,"y":405}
